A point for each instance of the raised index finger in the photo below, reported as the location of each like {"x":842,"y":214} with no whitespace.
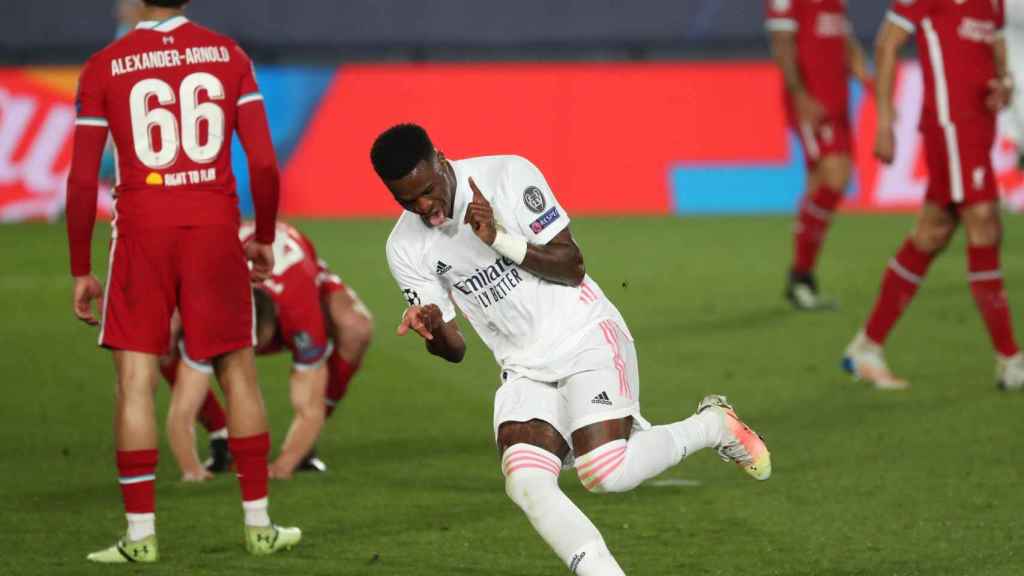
{"x":477,"y":195}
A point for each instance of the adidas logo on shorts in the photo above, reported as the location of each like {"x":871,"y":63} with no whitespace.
{"x":602,"y":398}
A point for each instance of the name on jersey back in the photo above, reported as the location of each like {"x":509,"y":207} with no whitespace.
{"x":169,"y":59}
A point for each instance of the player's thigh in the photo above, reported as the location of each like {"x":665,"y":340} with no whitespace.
{"x":215,"y":296}
{"x":602,"y":396}
{"x":530,"y":412}
{"x":140,"y":293}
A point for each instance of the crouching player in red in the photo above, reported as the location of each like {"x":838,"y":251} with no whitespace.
{"x":963,"y":54}
{"x":302,"y":308}
{"x":171,"y":93}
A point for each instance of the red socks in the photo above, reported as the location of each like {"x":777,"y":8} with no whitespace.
{"x":136,"y":471}
{"x":899,"y":284}
{"x":250,"y":455}
{"x":986,"y":280}
{"x":339,"y":373}
{"x":811,"y":227}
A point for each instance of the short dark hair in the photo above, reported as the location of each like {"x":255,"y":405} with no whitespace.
{"x":399,"y":149}
{"x":166,"y":3}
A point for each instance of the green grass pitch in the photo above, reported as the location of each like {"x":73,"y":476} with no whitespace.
{"x":926,"y":482}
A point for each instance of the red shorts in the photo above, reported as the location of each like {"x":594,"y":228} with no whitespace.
{"x":201,"y":271}
{"x":831,"y":137}
{"x":960,"y":164}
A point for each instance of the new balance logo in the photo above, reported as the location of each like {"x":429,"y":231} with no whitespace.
{"x":442,"y":268}
{"x":602,"y":398}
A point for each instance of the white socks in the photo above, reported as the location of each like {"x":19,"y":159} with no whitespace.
{"x":221,"y":434}
{"x":256,"y":513}
{"x":531,"y":481}
{"x":704,"y":430}
{"x":622,"y":465}
{"x":141,"y":526}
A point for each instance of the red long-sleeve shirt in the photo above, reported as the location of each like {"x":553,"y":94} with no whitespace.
{"x":170,"y":94}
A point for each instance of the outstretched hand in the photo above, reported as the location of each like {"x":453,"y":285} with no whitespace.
{"x":423,"y":320}
{"x":480,"y":216}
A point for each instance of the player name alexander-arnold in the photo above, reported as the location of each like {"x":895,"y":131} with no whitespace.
{"x":168,"y":59}
{"x":502,"y":268}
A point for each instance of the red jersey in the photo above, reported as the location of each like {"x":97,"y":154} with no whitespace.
{"x":294,"y":286}
{"x":822,"y":31}
{"x":171,"y":94}
{"x":955,"y":44}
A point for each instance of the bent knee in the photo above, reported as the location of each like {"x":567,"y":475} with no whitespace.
{"x":602,"y":470}
{"x":527,"y":470}
{"x":355,"y":329}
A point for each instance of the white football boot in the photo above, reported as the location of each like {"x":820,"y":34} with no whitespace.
{"x":865,"y":360}
{"x":1010,"y":372}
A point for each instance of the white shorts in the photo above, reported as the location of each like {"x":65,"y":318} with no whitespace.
{"x":604,"y":384}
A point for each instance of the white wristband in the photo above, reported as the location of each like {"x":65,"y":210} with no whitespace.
{"x":511,"y":246}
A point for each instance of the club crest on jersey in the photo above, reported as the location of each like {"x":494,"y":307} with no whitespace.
{"x":545,"y":220}
{"x":534,"y":199}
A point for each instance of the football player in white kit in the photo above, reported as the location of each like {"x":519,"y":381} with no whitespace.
{"x":487,"y":235}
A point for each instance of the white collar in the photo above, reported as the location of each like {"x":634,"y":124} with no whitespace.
{"x":169,"y":25}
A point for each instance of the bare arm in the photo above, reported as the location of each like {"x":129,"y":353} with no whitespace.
{"x":559,"y":261}
{"x":858,"y":59}
{"x":444,"y":339}
{"x":888,"y":43}
{"x":783,"y":44}
{"x":307,"y":395}
{"x":808,"y":110}
{"x":187,"y":395}
{"x":1001,"y":87}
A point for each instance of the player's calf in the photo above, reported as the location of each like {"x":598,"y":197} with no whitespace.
{"x":531,"y":481}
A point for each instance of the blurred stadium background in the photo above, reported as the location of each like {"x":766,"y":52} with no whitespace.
{"x":637,"y":112}
{"x":678,"y":94}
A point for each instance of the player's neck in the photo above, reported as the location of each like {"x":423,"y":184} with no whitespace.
{"x":158,"y":14}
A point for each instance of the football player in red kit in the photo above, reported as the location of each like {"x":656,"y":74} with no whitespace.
{"x":963,"y":54}
{"x":171,"y":93}
{"x":302,"y":308}
{"x":816,"y":51}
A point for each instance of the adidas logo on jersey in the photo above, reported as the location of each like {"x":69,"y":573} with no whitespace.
{"x":442,"y":268}
{"x":602,"y":398}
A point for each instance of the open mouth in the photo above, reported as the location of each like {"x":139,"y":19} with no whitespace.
{"x":436,"y":218}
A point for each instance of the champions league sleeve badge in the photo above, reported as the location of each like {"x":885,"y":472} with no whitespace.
{"x":534,"y":199}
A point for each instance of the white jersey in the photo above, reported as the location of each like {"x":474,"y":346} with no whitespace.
{"x":1015,"y":58}
{"x":530,"y":324}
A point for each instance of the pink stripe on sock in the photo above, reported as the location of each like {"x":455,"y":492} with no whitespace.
{"x":520,"y":459}
{"x":613,"y":466}
{"x":535,"y":466}
{"x":592,"y":467}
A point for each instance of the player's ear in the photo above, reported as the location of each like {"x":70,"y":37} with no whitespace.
{"x":440,"y":155}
